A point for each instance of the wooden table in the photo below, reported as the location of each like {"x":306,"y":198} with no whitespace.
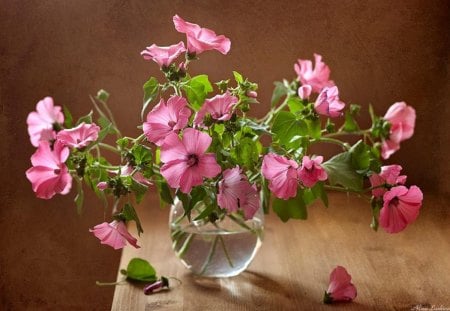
{"x":291,"y":270}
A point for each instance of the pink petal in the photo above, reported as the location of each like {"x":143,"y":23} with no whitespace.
{"x":172,"y":171}
{"x":173,"y":149}
{"x":196,"y":142}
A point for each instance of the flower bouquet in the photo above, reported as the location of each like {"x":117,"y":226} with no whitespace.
{"x":205,"y":156}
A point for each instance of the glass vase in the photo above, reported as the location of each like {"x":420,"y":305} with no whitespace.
{"x":222,"y":248}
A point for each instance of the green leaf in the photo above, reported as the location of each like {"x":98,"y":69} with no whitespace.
{"x":279,"y":91}
{"x":256,"y":127}
{"x":314,"y":127}
{"x":139,"y":269}
{"x":286,"y":127}
{"x":295,"y":104}
{"x":238,"y":77}
{"x":340,"y":171}
{"x":350,"y":124}
{"x":86,"y":119}
{"x":139,"y":190}
{"x":292,"y":208}
{"x":319,"y":192}
{"x":102,"y":95}
{"x":142,"y":155}
{"x":246,"y":153}
{"x":360,"y":156}
{"x":151,"y":90}
{"x":265,"y":195}
{"x":164,"y":192}
{"x":106,"y":128}
{"x":197,"y":88}
{"x":68,"y":119}
{"x":129,"y":213}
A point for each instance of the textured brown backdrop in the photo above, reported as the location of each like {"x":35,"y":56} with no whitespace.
{"x":379,"y":52}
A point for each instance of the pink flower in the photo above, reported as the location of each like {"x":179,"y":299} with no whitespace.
{"x":219,"y":107}
{"x":80,"y":136}
{"x":185,"y":161}
{"x":236,"y":192}
{"x":102,"y":186}
{"x":201,"y":39}
{"x":166,"y":118}
{"x":328,"y":103}
{"x":282,"y":175}
{"x":40,"y":122}
{"x":317,"y":78}
{"x":341,"y":287}
{"x":252,"y":94}
{"x":401,"y":207}
{"x":137,"y":176}
{"x":311,"y":171}
{"x":163,"y":55}
{"x":304,"y":91}
{"x":389,"y":175}
{"x":49,"y":175}
{"x":114,"y":234}
{"x":402,"y":119}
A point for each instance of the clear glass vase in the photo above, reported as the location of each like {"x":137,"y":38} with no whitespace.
{"x":224,"y":248}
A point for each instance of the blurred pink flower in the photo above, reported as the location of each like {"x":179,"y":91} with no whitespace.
{"x":137,"y":176}
{"x":219,"y":107}
{"x":235,"y":192}
{"x":166,"y":118}
{"x":402,"y":119}
{"x":304,"y":91}
{"x":114,"y":234}
{"x":282,"y":175}
{"x":185,"y":161}
{"x":311,"y":171}
{"x":389,"y":175}
{"x":49,"y":175}
{"x":328,"y":102}
{"x":102,"y":186}
{"x":341,"y":287}
{"x":401,"y":207}
{"x":201,"y":39}
{"x":317,"y":78}
{"x":163,"y":55}
{"x":40,"y":122}
{"x":80,"y":136}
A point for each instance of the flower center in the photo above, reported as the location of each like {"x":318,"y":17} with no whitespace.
{"x":192,"y":160}
{"x":394,"y":201}
{"x":57,"y":171}
{"x":171,"y":123}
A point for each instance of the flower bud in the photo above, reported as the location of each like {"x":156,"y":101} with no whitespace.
{"x":304,"y":91}
{"x":252,"y":94}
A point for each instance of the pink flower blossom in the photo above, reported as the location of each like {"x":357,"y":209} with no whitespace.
{"x":317,"y":78}
{"x":304,"y":91}
{"x":328,"y":103}
{"x":311,"y":171}
{"x":282,"y":175}
{"x":389,"y":175}
{"x":201,"y":39}
{"x":137,"y":176}
{"x":114,"y":234}
{"x":102,"y":186}
{"x":49,"y":175}
{"x":166,"y":118}
{"x":80,"y":136}
{"x":219,"y":107}
{"x":401,"y":207}
{"x":236,"y":192}
{"x":163,"y":55}
{"x":402,"y":119}
{"x":40,"y":122}
{"x":185,"y":161}
{"x":341,"y":287}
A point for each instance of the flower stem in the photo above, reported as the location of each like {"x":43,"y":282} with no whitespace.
{"x":185,"y":246}
{"x":211,"y":253}
{"x":108,"y":147}
{"x":344,"y":145}
{"x":230,"y":262}
{"x":340,"y":133}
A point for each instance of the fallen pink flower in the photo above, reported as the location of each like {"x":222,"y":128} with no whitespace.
{"x":201,"y":39}
{"x":114,"y":234}
{"x":389,"y":176}
{"x":168,"y":118}
{"x":40,"y":122}
{"x":163,"y":55}
{"x":401,"y":207}
{"x":317,"y":78}
{"x":80,"y":136}
{"x":219,"y":107}
{"x":341,"y":287}
{"x":49,"y":175}
{"x":186,"y":161}
{"x":328,"y":103}
{"x":282,"y":175}
{"x":311,"y":171}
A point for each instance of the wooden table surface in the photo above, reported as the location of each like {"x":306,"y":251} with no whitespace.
{"x":291,"y":270}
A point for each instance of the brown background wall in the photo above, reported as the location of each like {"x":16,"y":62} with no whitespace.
{"x":379,"y":52}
